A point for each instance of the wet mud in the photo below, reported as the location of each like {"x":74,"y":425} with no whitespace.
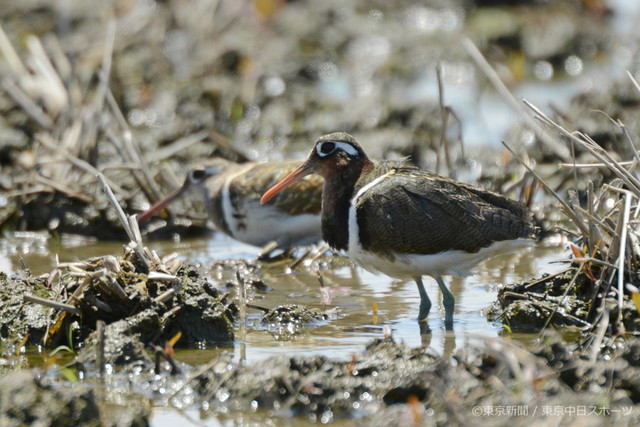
{"x":140,"y":302}
{"x":27,"y":399}
{"x":386,"y":379}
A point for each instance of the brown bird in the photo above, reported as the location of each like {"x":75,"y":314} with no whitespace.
{"x":406,"y":222}
{"x":231,"y":194}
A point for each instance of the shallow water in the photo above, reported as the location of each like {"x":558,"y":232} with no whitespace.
{"x":353,"y":294}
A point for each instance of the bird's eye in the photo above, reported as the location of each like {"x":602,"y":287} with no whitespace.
{"x":197,"y":175}
{"x":326,"y":148}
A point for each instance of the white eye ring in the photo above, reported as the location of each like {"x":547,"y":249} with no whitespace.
{"x":322,"y":147}
{"x":338,"y":145}
{"x":197,"y":175}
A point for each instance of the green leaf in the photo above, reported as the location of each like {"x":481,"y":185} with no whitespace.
{"x":61,"y":348}
{"x":71,"y":374}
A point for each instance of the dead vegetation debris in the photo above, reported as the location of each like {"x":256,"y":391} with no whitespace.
{"x":154,"y":299}
{"x":599,"y":292}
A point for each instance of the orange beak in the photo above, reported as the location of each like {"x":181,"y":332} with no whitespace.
{"x":297,"y":174}
{"x":162,"y":203}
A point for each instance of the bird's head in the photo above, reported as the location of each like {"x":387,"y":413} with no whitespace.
{"x":196,"y":177}
{"x":332,"y":155}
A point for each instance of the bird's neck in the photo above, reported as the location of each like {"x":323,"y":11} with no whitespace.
{"x":215,"y":192}
{"x":338,"y":190}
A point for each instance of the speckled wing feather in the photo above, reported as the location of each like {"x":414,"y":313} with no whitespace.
{"x":414,"y":211}
{"x":302,"y":197}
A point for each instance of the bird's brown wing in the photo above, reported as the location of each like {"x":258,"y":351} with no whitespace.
{"x":418,"y":212}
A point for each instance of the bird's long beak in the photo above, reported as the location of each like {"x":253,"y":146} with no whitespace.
{"x":163,"y":202}
{"x":194,"y":178}
{"x":297,"y":174}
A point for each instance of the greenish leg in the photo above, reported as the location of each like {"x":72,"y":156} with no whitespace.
{"x":425,"y":307}
{"x":448,"y":301}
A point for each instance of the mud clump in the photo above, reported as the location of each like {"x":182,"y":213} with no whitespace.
{"x":18,"y":318}
{"x":616,"y":369}
{"x":322,"y":388}
{"x":201,"y":319}
{"x":142,"y":300}
{"x":575,"y":298}
{"x":125,"y":339}
{"x":26,"y":400}
{"x":292,"y":314}
{"x":287,"y":320}
{"x":555,"y":299}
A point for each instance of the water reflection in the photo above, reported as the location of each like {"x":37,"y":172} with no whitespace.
{"x":355,"y":292}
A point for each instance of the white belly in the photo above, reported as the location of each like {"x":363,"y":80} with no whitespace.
{"x":454,"y":263}
{"x":262,"y":224}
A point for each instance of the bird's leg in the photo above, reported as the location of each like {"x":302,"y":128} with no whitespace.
{"x":425,"y":307}
{"x":448,"y":301}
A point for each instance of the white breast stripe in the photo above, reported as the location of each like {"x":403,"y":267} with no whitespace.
{"x":355,"y":247}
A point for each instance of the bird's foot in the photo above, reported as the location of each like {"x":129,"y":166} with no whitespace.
{"x":448,"y":324}
{"x":423,"y":324}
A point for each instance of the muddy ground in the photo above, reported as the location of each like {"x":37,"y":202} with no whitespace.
{"x":495,"y":382}
{"x":142,"y":90}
